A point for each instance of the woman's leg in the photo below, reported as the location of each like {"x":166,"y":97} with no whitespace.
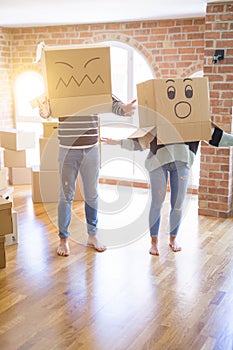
{"x":179,"y":174}
{"x":158,"y":183}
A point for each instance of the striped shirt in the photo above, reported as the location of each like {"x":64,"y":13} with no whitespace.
{"x":75,"y":132}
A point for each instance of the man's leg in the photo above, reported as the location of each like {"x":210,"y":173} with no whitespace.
{"x":89,"y":171}
{"x":68,"y":170}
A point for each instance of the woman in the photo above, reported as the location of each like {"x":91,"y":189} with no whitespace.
{"x":173,"y":161}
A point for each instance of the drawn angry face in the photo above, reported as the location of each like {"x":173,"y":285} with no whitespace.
{"x":78,"y":71}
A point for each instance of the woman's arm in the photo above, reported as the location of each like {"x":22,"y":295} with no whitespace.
{"x":220,"y":138}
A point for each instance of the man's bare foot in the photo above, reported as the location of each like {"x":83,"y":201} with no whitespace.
{"x":154,"y":246}
{"x":93,"y":241}
{"x":173,"y":245}
{"x":63,"y":248}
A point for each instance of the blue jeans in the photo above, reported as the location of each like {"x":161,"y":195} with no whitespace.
{"x":71,"y":161}
{"x":179,"y":173}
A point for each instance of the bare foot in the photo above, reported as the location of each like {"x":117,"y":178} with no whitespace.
{"x":173,"y":245}
{"x":63,"y":248}
{"x":93,"y":241}
{"x":154,"y":246}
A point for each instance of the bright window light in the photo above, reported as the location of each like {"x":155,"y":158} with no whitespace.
{"x":28,"y":86}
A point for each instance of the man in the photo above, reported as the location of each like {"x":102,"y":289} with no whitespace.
{"x":79,"y":152}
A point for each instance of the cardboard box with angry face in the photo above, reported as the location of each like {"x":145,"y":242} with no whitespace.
{"x":77,"y":79}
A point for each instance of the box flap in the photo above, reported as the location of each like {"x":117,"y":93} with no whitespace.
{"x":5,"y":204}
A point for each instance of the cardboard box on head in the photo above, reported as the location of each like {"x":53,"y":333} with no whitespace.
{"x":77,"y":79}
{"x":178,"y":108}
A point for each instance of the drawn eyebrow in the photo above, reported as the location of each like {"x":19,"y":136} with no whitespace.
{"x":187,"y":79}
{"x":167,"y":81}
{"x":67,"y":64}
{"x":92,"y":59}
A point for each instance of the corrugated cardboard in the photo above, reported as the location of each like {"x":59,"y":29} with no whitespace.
{"x":12,"y":238}
{"x":49,"y":153}
{"x":2,"y":252}
{"x":50,"y":129}
{"x":17,"y":140}
{"x":16,"y":159}
{"x":3,"y":178}
{"x":45,"y":186}
{"x":77,"y":79}
{"x":178,"y":108}
{"x":37,"y":101}
{"x":20,"y":176}
{"x":6,"y":225}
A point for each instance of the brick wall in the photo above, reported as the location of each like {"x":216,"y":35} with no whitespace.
{"x":215,"y":191}
{"x":173,"y":48}
{"x":6,"y":106}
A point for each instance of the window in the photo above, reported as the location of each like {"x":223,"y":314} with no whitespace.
{"x":128,"y":68}
{"x":195,"y":170}
{"x":27,"y":86}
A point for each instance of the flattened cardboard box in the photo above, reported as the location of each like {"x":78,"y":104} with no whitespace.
{"x":178,"y":108}
{"x":77,"y":79}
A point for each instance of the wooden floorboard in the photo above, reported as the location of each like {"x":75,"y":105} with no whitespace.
{"x":122,"y":299}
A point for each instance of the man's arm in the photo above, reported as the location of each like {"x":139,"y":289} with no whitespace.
{"x":44,"y":108}
{"x":120,"y":108}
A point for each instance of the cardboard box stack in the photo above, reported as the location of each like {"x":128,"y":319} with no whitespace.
{"x":10,"y":235}
{"x":45,"y":179}
{"x":16,"y":158}
{"x":6,"y":227}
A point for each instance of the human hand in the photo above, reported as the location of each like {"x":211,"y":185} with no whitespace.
{"x":44,"y":108}
{"x":110,"y":141}
{"x":128,"y":108}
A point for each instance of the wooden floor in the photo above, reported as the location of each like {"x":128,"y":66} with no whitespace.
{"x":122,"y":299}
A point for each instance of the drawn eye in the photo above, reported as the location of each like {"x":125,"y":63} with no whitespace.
{"x":171,"y":92}
{"x":188,"y":91}
{"x":89,"y":61}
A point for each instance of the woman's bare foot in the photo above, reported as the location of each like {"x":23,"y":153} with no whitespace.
{"x":154,"y":246}
{"x":93,"y":241}
{"x":63,"y":248}
{"x":173,"y":245}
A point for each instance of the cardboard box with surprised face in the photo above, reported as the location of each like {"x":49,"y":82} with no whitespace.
{"x":77,"y":79}
{"x":178,"y":108}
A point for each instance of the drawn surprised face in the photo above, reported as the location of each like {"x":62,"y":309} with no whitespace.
{"x":183,"y":107}
{"x":74,"y":79}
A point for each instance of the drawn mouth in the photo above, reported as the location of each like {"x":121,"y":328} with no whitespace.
{"x":61,"y":82}
{"x":182,"y":109}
